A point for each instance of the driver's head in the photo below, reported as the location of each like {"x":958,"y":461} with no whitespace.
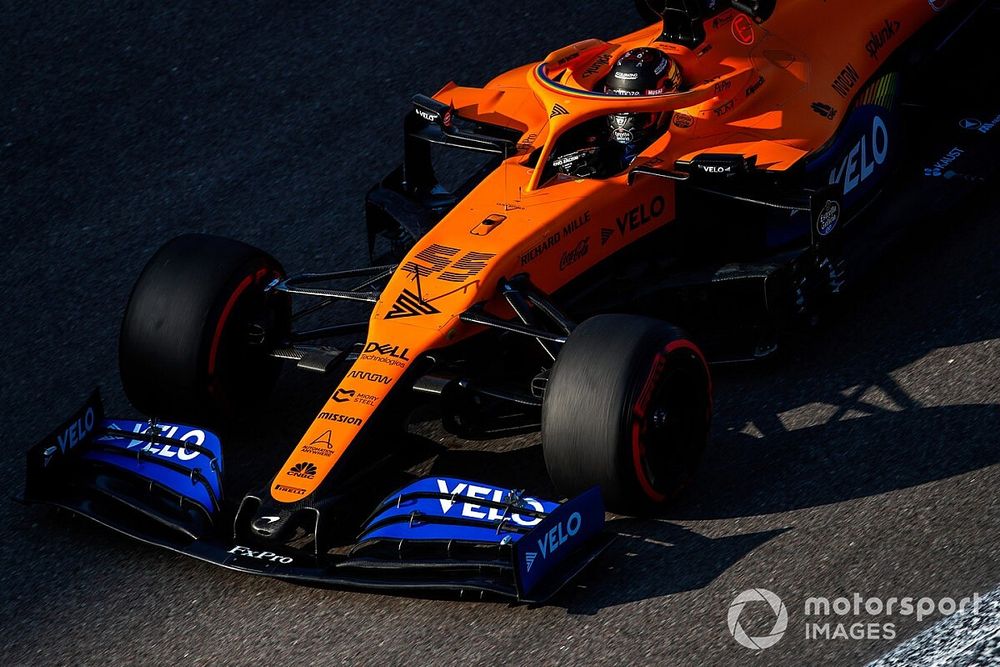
{"x":645,"y":71}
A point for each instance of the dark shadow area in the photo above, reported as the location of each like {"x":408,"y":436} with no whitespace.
{"x":654,"y":558}
{"x":517,"y":469}
{"x":841,"y":460}
{"x":837,"y":417}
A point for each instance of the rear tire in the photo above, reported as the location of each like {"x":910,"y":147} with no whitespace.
{"x":627,"y":408}
{"x":198,"y":330}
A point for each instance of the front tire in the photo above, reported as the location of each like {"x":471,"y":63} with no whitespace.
{"x":627,"y":408}
{"x":198,"y":330}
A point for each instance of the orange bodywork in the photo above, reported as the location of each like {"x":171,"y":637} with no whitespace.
{"x":751,"y":90}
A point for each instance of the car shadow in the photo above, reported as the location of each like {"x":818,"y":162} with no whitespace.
{"x":677,"y":559}
{"x":852,"y":456}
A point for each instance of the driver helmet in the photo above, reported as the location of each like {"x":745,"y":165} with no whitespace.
{"x":645,"y":71}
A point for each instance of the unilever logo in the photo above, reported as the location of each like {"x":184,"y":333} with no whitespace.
{"x":780,"y":623}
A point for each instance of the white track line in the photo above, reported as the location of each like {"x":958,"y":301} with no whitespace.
{"x":965,"y":638}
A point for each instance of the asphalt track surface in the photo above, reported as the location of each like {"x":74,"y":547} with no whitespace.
{"x":865,"y":461}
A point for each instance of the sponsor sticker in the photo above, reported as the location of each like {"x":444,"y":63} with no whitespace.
{"x":341,"y":419}
{"x":376,"y":378}
{"x":321,"y":446}
{"x":881,"y":37}
{"x":824,"y":110}
{"x":393,"y":355}
{"x":305,"y":470}
{"x":77,"y":431}
{"x":742,"y":29}
{"x":871,"y":152}
{"x":683,"y":120}
{"x":940,"y":168}
{"x":845,"y":81}
{"x":571,"y":257}
{"x":261,"y":555}
{"x":641,"y":215}
{"x":472,"y":511}
{"x":828,"y":218}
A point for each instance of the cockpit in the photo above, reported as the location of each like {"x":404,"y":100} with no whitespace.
{"x":604,"y":146}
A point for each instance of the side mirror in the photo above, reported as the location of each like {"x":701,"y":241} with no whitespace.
{"x":683,"y":19}
{"x":758,"y":10}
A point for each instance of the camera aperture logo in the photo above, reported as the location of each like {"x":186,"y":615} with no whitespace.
{"x":848,"y":617}
{"x":780,"y":623}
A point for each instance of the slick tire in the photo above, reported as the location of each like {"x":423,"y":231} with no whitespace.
{"x":627,"y":408}
{"x":198,"y":330}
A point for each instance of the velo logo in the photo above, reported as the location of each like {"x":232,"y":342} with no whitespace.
{"x":780,"y":623}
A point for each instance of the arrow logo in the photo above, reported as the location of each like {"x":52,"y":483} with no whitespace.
{"x":529,"y":559}
{"x":409,"y":304}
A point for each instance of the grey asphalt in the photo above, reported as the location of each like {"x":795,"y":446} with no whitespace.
{"x":865,"y":461}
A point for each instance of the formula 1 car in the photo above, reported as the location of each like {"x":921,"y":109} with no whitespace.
{"x":518,"y":276}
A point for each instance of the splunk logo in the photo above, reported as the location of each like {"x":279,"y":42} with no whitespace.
{"x":551,"y":541}
{"x":879,"y":38}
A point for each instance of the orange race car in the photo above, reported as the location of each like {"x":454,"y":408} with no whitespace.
{"x":728,"y":169}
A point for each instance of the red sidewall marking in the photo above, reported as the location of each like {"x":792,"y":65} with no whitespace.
{"x":642,"y":403}
{"x":213,"y":351}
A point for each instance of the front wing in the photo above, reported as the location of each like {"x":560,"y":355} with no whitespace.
{"x":162,"y":484}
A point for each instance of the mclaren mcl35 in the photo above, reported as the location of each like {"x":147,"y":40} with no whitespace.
{"x":561,"y":248}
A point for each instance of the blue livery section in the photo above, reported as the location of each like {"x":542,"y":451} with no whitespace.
{"x":538,"y":540}
{"x":444,"y":508}
{"x":438,"y":533}
{"x":565,"y":530}
{"x":193,"y":474}
{"x":860,"y":157}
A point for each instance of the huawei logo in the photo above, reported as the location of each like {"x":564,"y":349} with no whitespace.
{"x":304,"y":470}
